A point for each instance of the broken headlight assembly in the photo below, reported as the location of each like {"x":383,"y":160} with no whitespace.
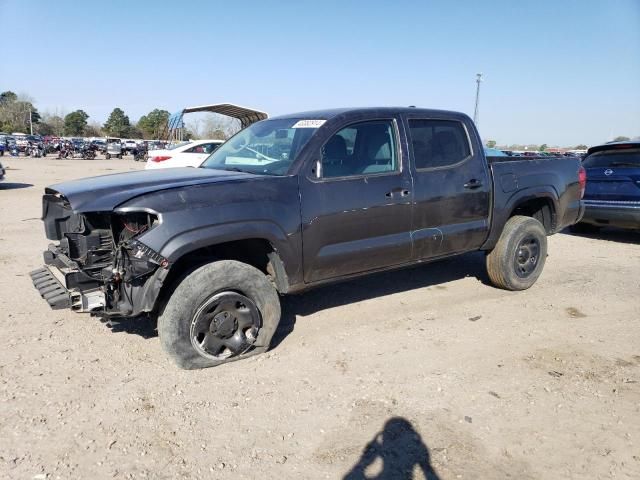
{"x":134,"y":259}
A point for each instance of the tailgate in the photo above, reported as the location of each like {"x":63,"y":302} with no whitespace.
{"x":613,"y":175}
{"x":613,"y":184}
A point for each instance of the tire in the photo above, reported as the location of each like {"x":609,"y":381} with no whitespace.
{"x":119,"y":156}
{"x":197,"y":294}
{"x":108,"y":156}
{"x":518,"y":258}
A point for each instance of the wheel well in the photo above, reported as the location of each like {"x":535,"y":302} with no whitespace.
{"x":256,"y":252}
{"x":539,"y":208}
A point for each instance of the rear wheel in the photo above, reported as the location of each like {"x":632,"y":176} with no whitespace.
{"x":518,"y":258}
{"x":108,"y":156}
{"x":221,"y":312}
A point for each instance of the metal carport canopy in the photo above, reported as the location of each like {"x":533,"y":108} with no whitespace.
{"x":247,"y":116}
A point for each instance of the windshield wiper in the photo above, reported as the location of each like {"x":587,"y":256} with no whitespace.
{"x":266,"y":157}
{"x":234,"y":169}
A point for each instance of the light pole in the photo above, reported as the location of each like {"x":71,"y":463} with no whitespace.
{"x":475,"y":111}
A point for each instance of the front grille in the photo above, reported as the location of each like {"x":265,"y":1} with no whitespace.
{"x":93,"y":251}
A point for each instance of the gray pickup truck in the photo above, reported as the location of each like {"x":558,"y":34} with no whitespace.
{"x":291,"y":203}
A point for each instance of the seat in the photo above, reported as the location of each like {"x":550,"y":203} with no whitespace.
{"x":377,"y":155}
{"x":334,"y":155}
{"x":420,"y":154}
{"x":446,"y":149}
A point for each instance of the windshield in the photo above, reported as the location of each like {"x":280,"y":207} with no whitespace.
{"x":613,"y":158}
{"x":266,"y":147}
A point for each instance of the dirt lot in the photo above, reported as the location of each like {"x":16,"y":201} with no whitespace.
{"x":421,"y":370}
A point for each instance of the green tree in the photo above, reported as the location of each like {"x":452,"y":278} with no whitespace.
{"x":491,"y":143}
{"x":582,"y":146}
{"x":75,"y":123}
{"x":117,"y":125}
{"x":7,"y":97}
{"x":153,"y":123}
{"x":17,"y":114}
{"x":543,"y":147}
{"x":621,"y":138}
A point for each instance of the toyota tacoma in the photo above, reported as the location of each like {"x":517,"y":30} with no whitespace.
{"x":288,"y":204}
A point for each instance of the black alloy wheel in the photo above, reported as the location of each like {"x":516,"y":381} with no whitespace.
{"x":526,"y":257}
{"x":226,"y":325}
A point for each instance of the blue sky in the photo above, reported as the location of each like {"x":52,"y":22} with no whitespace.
{"x":556,"y":71}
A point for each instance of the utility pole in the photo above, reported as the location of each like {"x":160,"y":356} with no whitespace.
{"x":475,"y":112}
{"x":30,"y":122}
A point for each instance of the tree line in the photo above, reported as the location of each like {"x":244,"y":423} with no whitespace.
{"x":19,"y":114}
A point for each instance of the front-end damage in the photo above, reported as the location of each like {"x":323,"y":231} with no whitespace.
{"x":100,"y":263}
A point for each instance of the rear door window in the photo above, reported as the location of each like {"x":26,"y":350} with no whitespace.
{"x":438,"y":143}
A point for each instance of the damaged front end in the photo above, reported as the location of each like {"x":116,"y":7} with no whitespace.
{"x":100,"y":265}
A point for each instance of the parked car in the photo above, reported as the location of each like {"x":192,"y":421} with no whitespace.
{"x":612,"y":197}
{"x":187,"y":154}
{"x":4,"y":144}
{"x":291,"y":203}
{"x":128,"y":146}
{"x":113,"y":148}
{"x":494,"y":152}
{"x":2,"y":172}
{"x":99,"y":146}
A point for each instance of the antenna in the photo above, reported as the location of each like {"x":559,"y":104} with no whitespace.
{"x":475,"y":111}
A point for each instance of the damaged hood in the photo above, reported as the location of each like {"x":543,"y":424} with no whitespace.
{"x":106,"y":192}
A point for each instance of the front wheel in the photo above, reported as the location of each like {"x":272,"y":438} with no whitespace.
{"x":221,"y":312}
{"x":518,"y":258}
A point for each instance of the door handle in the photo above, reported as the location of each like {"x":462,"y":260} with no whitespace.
{"x":402,"y":191}
{"x":473,"y":183}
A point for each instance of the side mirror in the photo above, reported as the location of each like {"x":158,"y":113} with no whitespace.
{"x":317,"y":169}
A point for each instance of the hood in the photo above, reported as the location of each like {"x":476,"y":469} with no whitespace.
{"x":106,"y":192}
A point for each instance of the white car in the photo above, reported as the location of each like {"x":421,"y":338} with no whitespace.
{"x":187,"y":154}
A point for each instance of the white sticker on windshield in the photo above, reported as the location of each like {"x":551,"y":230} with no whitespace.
{"x":309,"y":124}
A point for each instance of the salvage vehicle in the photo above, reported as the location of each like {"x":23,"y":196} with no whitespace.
{"x":612,"y":197}
{"x":291,"y":203}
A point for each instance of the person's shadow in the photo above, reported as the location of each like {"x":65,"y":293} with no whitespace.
{"x":400,"y":450}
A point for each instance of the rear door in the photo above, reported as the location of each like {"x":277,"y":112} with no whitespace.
{"x":451,"y":187}
{"x":356,"y":207}
{"x":613,"y":174}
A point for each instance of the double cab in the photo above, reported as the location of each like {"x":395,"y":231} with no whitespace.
{"x":288,"y":204}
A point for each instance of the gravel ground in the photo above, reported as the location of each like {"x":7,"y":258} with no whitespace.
{"x":421,"y":373}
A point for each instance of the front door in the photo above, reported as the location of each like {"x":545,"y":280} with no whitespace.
{"x":356,"y":209}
